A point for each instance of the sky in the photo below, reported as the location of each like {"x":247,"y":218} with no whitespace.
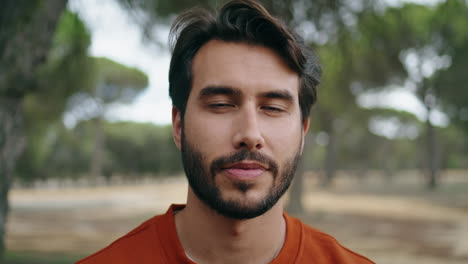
{"x":114,"y":35}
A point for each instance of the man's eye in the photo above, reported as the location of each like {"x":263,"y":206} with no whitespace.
{"x":220,"y":105}
{"x":273,"y":109}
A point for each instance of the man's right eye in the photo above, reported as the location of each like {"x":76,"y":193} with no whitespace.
{"x":220,"y":105}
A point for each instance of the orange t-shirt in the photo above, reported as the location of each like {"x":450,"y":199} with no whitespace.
{"x":156,"y":242}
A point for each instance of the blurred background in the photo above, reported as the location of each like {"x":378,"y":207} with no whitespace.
{"x":86,"y":150}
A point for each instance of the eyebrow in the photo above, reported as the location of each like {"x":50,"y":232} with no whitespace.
{"x":226,"y":90}
{"x":284,"y":95}
{"x":219,"y":90}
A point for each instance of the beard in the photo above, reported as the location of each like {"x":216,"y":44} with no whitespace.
{"x":202,"y":180}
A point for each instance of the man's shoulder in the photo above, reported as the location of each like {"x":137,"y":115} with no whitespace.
{"x":134,"y":244}
{"x":325,"y":248}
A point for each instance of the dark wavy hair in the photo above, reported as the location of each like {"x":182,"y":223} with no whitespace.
{"x":238,"y":21}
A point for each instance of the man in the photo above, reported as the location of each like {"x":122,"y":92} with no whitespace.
{"x":242,"y":86}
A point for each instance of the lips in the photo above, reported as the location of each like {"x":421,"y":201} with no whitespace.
{"x":244,"y":170}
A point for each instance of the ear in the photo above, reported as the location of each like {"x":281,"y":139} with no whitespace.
{"x":305,"y":129}
{"x":176,"y":126}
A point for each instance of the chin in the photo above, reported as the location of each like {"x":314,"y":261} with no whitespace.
{"x":244,"y":205}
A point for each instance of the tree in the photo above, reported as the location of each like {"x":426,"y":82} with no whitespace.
{"x":27,"y":26}
{"x":433,"y":45}
{"x":450,"y":83}
{"x":336,"y":103}
{"x":132,"y":151}
{"x":408,"y":43}
{"x":113,"y":83}
{"x":72,"y":82}
{"x":140,"y":148}
{"x":66,"y":71}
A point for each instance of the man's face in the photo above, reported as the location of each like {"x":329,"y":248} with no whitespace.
{"x":242,"y":135}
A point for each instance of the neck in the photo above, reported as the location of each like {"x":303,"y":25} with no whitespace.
{"x":208,"y":237}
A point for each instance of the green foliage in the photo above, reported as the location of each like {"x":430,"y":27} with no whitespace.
{"x":57,"y":153}
{"x":131,"y":149}
{"x":359,"y":56}
{"x":68,"y":72}
{"x":115,"y":82}
{"x":161,"y":9}
{"x":151,"y":14}
{"x":65,"y":72}
{"x":451,"y":83}
{"x":26,"y":31}
{"x":139,"y":148}
{"x":454,"y":147}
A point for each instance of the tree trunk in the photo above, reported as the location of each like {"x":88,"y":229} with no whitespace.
{"x":330,"y":159}
{"x":432,"y":156}
{"x":388,"y":167}
{"x":295,"y":205}
{"x":27,"y":29}
{"x":12,"y":143}
{"x":97,"y":157}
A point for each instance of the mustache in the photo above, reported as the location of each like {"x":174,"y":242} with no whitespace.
{"x":243,"y":155}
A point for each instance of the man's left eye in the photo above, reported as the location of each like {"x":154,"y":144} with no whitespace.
{"x":220,"y":105}
{"x":273,"y":109}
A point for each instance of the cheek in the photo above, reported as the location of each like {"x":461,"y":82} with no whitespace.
{"x":208,"y":135}
{"x":282,"y":136}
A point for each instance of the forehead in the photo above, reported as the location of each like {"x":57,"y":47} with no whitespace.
{"x":249,"y":68}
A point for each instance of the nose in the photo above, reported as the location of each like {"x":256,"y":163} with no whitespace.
{"x":248,"y":133}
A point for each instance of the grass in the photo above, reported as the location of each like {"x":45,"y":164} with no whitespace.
{"x":14,"y":257}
